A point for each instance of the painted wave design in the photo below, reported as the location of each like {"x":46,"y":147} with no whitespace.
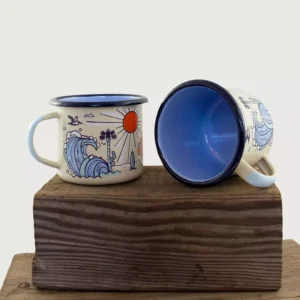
{"x":265,"y":116}
{"x":263,"y":129}
{"x":82,"y":164}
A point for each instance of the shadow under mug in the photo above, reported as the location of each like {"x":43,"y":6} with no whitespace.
{"x":99,"y":138}
{"x":204,"y":133}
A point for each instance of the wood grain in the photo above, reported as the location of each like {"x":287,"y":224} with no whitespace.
{"x":156,"y":234}
{"x":18,"y":285}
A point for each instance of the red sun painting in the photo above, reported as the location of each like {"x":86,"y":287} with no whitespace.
{"x":129,"y":128}
{"x":130,"y":122}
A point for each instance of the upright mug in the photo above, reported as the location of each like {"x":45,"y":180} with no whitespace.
{"x":205,"y":133}
{"x":100,"y":139}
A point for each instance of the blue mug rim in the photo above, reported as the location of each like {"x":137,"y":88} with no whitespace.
{"x":122,"y":101}
{"x":240,"y":127}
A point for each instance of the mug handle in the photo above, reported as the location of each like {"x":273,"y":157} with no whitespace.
{"x":255,"y":178}
{"x":31,"y":147}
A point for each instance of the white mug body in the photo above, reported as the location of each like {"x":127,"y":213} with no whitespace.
{"x":97,"y":145}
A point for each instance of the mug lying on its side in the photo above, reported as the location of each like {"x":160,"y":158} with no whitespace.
{"x":99,"y":138}
{"x":204,"y":133}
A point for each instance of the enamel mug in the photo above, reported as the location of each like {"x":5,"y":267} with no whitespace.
{"x":205,"y":133}
{"x":100,"y":139}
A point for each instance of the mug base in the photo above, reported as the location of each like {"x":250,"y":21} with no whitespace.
{"x":107,"y":180}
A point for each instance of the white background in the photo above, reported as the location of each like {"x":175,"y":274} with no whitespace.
{"x":52,"y":48}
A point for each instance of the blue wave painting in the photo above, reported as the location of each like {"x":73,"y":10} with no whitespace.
{"x":80,"y":163}
{"x":263,"y":129}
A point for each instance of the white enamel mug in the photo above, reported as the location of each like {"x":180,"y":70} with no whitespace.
{"x":99,"y":137}
{"x":205,"y":133}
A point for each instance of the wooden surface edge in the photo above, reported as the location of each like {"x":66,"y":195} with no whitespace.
{"x":18,"y":274}
{"x":152,"y":176}
{"x":18,"y":284}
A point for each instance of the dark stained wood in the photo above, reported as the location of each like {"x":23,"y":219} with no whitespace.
{"x":18,"y":285}
{"x":156,"y":234}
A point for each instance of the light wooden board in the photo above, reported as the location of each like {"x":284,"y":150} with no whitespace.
{"x":18,"y":285}
{"x":156,"y":234}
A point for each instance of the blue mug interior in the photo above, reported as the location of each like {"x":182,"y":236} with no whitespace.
{"x":98,"y":100}
{"x":197,"y":133}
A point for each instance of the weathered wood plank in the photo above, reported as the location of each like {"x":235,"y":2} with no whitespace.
{"x":156,"y":234}
{"x":18,"y":285}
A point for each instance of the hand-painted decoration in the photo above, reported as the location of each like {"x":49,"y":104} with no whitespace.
{"x":128,"y":125}
{"x":132,"y":161}
{"x":262,"y":129}
{"x":248,"y":135}
{"x":244,"y":102}
{"x":90,"y":115}
{"x":80,"y":163}
{"x":122,"y":141}
{"x":109,"y":135}
{"x":74,"y":121}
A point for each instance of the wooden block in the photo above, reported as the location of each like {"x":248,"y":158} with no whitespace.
{"x":18,"y":285}
{"x":156,"y":234}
